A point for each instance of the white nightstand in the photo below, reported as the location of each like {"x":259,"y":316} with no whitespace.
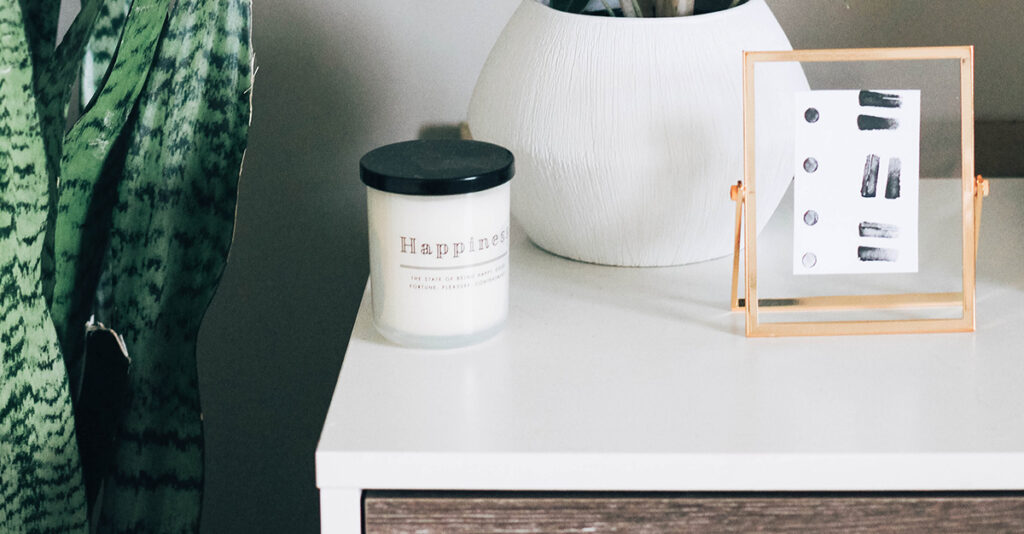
{"x":641,"y":380}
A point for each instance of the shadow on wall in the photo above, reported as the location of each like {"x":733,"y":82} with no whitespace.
{"x":272,"y":343}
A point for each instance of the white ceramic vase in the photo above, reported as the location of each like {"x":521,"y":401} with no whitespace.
{"x":628,"y":133}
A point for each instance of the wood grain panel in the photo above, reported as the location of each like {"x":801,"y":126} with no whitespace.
{"x":565,"y":513}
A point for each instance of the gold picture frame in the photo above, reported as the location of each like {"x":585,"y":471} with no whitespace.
{"x":745,"y":195}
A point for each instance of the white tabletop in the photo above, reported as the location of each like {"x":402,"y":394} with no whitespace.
{"x":642,"y":379}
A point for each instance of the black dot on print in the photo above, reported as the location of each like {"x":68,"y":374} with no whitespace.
{"x":811,"y":115}
{"x":810,"y":164}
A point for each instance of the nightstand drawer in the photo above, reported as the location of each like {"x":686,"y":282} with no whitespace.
{"x":529,"y":512}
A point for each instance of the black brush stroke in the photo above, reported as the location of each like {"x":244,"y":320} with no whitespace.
{"x":877,"y":254}
{"x":892,"y":185}
{"x":873,"y":229}
{"x":870,"y":180}
{"x":871,"y":122}
{"x":879,"y":100}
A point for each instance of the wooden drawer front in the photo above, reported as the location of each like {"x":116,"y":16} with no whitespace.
{"x":519,"y":513}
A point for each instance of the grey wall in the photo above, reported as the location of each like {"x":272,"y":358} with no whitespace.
{"x":337,"y":78}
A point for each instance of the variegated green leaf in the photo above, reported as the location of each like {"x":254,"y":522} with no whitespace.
{"x":41,"y":29}
{"x":57,"y":76}
{"x":171,"y":230}
{"x":54,"y":80}
{"x":99,"y":55}
{"x":86,"y":193}
{"x":99,"y":52}
{"x":40,"y":478}
{"x":172,"y":227}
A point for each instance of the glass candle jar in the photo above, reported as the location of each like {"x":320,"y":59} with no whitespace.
{"x":438,"y":214}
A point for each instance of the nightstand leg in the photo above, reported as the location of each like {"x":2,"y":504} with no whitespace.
{"x":341,"y":511}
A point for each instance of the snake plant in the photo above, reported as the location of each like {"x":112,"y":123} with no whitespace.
{"x":127,"y":216}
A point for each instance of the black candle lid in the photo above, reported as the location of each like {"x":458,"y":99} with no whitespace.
{"x":436,"y":167}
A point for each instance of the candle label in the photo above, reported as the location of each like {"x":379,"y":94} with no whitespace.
{"x":439,"y":266}
{"x":473,"y":261}
{"x":454,"y":249}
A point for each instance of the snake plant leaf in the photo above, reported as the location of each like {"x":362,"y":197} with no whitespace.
{"x":54,"y":82}
{"x":99,"y":55}
{"x":99,"y":51}
{"x":86,"y":193}
{"x":41,"y":30}
{"x":40,"y":479}
{"x":171,"y":230}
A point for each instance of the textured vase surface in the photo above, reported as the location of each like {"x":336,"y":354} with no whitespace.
{"x":628,"y":133}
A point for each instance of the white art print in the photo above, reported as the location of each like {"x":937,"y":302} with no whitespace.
{"x":857,"y":167}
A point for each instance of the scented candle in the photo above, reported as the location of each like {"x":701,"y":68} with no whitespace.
{"x":438,"y":217}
